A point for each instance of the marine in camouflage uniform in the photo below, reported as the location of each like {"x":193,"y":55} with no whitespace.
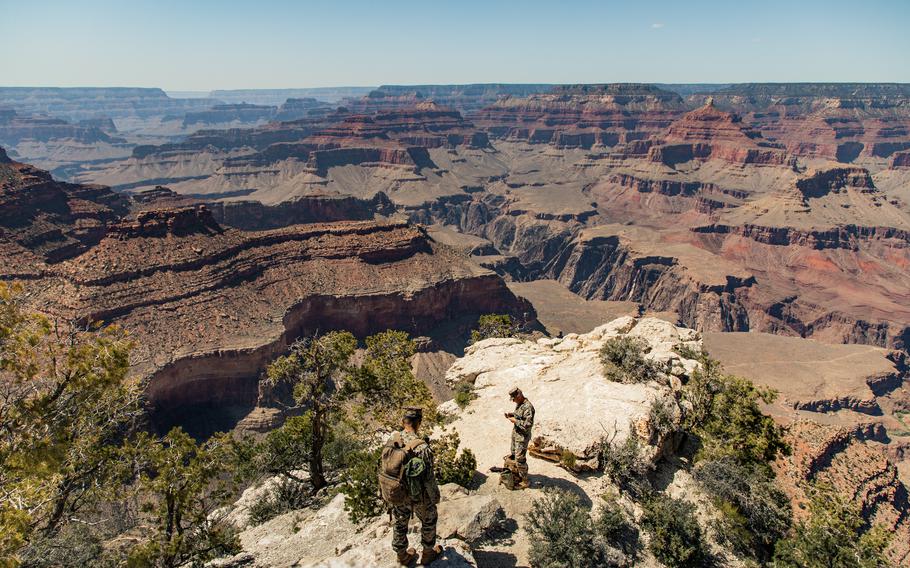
{"x":522,"y":420}
{"x":423,"y":505}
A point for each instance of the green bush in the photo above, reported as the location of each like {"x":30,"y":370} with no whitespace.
{"x":755,"y":513}
{"x":562,"y":533}
{"x":660,"y":417}
{"x":287,"y":496}
{"x":568,"y":460}
{"x":464,"y":394}
{"x":724,"y":413}
{"x":493,"y":325}
{"x":75,"y":546}
{"x":676,"y":538}
{"x":612,"y":525}
{"x":449,"y":465}
{"x":624,"y":360}
{"x":624,"y":463}
{"x":833,"y":535}
{"x":687,"y":352}
{"x":361,"y":485}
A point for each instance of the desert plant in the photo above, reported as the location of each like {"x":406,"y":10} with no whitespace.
{"x":833,"y":535}
{"x":687,"y":352}
{"x":493,"y":325}
{"x":755,"y":513}
{"x":464,"y":394}
{"x":676,"y":539}
{"x":568,"y":459}
{"x":287,"y":495}
{"x":74,"y":546}
{"x":183,"y":485}
{"x":67,"y":410}
{"x":449,"y":465}
{"x":563,"y":533}
{"x":614,"y":527}
{"x":623,"y":461}
{"x":661,"y":417}
{"x":624,"y":360}
{"x":361,"y":486}
{"x":385,"y":383}
{"x":726,"y":416}
{"x":312,"y":369}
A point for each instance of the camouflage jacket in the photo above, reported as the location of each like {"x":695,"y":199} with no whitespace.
{"x":430,"y":491}
{"x":524,"y":418}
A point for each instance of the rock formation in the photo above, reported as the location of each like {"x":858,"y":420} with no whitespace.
{"x":210,"y":306}
{"x":577,"y":408}
{"x":545,"y":371}
{"x":583,"y":116}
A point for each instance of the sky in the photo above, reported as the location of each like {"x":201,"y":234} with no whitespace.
{"x":200,"y":45}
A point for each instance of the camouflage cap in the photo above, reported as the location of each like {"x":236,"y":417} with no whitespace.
{"x":514,"y":392}
{"x":413,"y":413}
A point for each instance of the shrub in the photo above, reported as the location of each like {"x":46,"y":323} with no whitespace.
{"x":67,"y":409}
{"x":660,"y":417}
{"x":464,"y":394}
{"x":625,"y":463}
{"x":568,"y":459}
{"x":726,"y":416}
{"x":449,"y":465}
{"x":184,"y":484}
{"x":385,"y":382}
{"x":612,"y":525}
{"x":755,"y":513}
{"x":563,"y":533}
{"x":76,"y":545}
{"x":832,"y":536}
{"x":361,"y":486}
{"x":624,"y":360}
{"x":493,"y":325}
{"x":287,"y":496}
{"x":687,"y":352}
{"x":676,"y":538}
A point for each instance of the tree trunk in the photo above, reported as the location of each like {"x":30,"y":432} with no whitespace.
{"x":317,"y":475}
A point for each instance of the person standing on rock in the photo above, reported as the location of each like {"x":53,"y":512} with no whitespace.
{"x":408,"y":484}
{"x":522,"y":421}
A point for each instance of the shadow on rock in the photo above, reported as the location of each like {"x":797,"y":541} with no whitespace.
{"x":495,"y":559}
{"x":539,"y":481}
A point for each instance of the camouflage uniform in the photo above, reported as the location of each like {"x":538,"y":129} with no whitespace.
{"x":424,"y":508}
{"x":521,"y":432}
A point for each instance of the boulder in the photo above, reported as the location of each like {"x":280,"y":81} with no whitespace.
{"x":577,"y":407}
{"x":467,"y":516}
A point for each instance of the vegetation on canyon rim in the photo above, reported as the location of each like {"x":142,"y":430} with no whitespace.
{"x":78,"y":468}
{"x":736,"y":444}
{"x":83,"y":482}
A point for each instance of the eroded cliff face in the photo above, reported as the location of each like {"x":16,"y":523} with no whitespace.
{"x":838,"y":457}
{"x":846,"y":122}
{"x":208,"y":305}
{"x":583,"y":116}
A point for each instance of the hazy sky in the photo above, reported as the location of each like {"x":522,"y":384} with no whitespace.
{"x":202,"y":45}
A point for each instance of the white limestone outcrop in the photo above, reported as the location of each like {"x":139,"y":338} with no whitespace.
{"x":577,"y":407}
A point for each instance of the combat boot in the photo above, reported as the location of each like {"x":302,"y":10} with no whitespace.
{"x":406,"y":557}
{"x":430,"y":554}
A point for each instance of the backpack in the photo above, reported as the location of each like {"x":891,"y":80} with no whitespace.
{"x":394,"y":486}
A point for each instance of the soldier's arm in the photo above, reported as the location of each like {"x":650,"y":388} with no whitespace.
{"x":524,"y":420}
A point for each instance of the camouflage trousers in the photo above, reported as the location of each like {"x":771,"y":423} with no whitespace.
{"x":520,"y":455}
{"x":426,"y":513}
{"x":520,"y":447}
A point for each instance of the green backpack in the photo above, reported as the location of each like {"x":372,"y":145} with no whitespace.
{"x":400,"y":471}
